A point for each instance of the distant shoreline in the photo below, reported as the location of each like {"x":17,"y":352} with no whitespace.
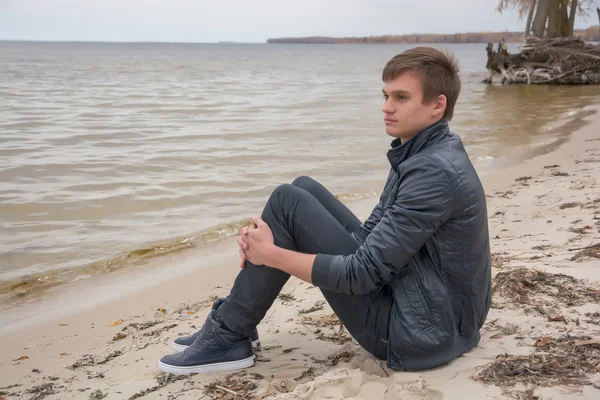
{"x":590,"y":34}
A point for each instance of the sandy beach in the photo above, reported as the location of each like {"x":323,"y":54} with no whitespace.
{"x":100,"y":339}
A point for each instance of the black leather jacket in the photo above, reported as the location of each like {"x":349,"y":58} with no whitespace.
{"x":428,"y":239}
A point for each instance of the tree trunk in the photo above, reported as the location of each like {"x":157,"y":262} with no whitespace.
{"x":563,"y":19}
{"x":530,"y":17}
{"x":541,"y":16}
{"x":598,"y":11}
{"x":572,"y":13}
{"x":554,"y":19}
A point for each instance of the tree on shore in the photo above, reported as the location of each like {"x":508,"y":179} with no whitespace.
{"x":549,"y":18}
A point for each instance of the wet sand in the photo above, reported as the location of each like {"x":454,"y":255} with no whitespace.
{"x":100,"y":338}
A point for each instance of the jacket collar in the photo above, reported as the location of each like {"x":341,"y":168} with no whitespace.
{"x":402,"y":152}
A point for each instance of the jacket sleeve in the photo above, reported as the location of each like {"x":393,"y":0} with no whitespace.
{"x":366,"y":228}
{"x":424,"y":202}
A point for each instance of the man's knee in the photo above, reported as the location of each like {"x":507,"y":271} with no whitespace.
{"x":283,"y":192}
{"x":283,"y":198}
{"x":304,"y":182}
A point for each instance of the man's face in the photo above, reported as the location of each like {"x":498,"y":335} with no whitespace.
{"x":405,"y":113}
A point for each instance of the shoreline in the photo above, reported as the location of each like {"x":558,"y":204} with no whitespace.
{"x":524,"y":214}
{"x":28,"y":288}
{"x":24,"y":294}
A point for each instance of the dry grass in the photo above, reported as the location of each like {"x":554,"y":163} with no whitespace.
{"x":162,"y":380}
{"x":530,"y":286}
{"x":499,"y":259}
{"x":319,"y":305}
{"x":234,"y":387}
{"x":335,"y":359}
{"x":286,"y":297}
{"x":88,"y":360}
{"x":322,"y":321}
{"x":568,"y":360}
{"x":590,"y":251}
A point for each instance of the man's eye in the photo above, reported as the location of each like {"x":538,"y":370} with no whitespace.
{"x":385,"y":96}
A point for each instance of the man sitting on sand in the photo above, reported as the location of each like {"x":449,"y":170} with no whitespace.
{"x":412,"y":284}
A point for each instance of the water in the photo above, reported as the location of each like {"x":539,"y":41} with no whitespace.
{"x":110,"y":153}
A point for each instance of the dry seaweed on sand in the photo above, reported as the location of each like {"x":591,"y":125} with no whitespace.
{"x":309,"y":373}
{"x":193,"y":308}
{"x":344,"y":356}
{"x":319,"y":305}
{"x":527,"y":394}
{"x":323,"y":321}
{"x":234,"y":387}
{"x":91,"y":375}
{"x":41,"y":391}
{"x":335,"y":359}
{"x":568,"y":360}
{"x":497,"y":260}
{"x":286,"y":297}
{"x":158,"y":331}
{"x":89,"y":360}
{"x":140,"y":326}
{"x":570,"y":205}
{"x":162,"y":381}
{"x":594,"y":318}
{"x":2,"y":389}
{"x":581,"y":230}
{"x":523,"y":178}
{"x":339,"y":339}
{"x":525,"y":286}
{"x":286,"y":351}
{"x":541,"y":247}
{"x":98,"y":395}
{"x":506,"y":330}
{"x":589,"y":251}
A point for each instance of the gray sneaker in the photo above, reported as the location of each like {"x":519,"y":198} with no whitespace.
{"x":215,"y":349}
{"x":182,"y":343}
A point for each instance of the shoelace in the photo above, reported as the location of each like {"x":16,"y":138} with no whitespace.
{"x":198,"y":344}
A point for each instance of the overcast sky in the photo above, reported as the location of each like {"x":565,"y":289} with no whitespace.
{"x":245,"y":20}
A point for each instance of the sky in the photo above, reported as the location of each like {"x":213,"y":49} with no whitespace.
{"x":209,"y":21}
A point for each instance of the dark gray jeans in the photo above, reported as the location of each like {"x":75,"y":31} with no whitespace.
{"x":307,"y":218}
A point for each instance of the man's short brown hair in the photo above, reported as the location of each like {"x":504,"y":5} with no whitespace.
{"x":437,"y":70}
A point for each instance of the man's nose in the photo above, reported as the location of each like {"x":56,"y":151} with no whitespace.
{"x":387,"y":107}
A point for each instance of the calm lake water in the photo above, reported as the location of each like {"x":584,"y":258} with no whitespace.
{"x":110,"y":153}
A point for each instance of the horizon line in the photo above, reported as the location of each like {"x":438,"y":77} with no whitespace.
{"x":125,"y":41}
{"x":234,"y":41}
{"x":242,"y":42}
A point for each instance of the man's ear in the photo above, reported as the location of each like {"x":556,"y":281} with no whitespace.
{"x":440,"y":106}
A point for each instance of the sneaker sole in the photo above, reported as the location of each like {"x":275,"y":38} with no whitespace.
{"x":180,"y":347}
{"x":204,"y":369}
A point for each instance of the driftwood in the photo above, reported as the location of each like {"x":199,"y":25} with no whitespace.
{"x":546,"y":61}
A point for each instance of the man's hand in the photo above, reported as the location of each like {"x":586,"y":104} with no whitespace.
{"x":243,"y":245}
{"x":258,"y":246}
{"x":256,"y":242}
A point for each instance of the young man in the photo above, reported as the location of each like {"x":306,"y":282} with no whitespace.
{"x":412,"y":284}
